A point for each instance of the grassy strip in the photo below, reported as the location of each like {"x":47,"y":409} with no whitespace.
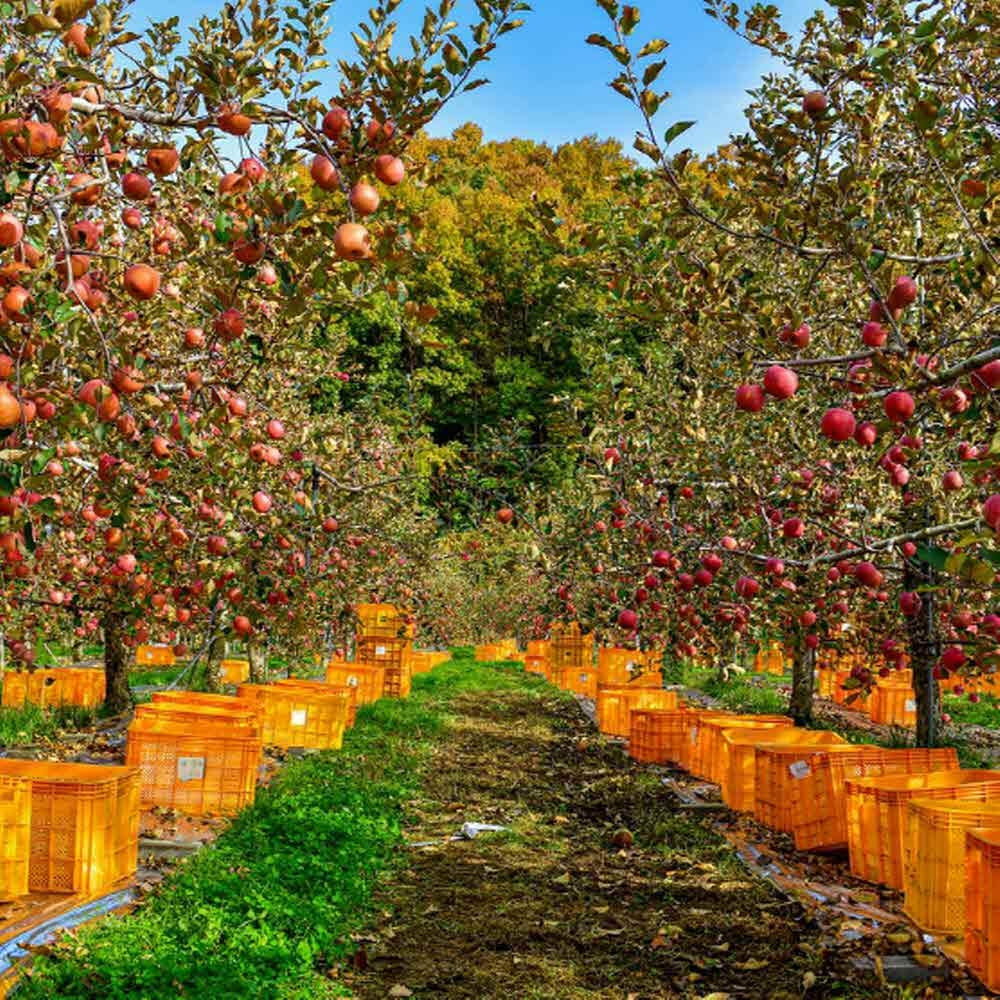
{"x":153,"y":677}
{"x":32,"y":724}
{"x":738,"y":694}
{"x":267,"y":910}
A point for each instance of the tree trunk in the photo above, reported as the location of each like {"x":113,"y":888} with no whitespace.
{"x":800,"y":705}
{"x":257,"y":655}
{"x":213,"y":665}
{"x":116,"y":657}
{"x":925,"y":648}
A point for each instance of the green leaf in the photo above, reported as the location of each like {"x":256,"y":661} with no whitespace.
{"x":678,"y":128}
{"x":932,"y":555}
{"x":223,"y":228}
{"x":41,"y":460}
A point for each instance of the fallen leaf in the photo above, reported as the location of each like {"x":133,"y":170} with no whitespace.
{"x":752,"y":964}
{"x":400,"y":991}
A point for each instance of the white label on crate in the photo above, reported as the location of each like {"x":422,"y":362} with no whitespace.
{"x":352,"y":681}
{"x":298,"y":716}
{"x":800,"y":769}
{"x":190,"y":768}
{"x":380,"y":650}
{"x":911,"y":705}
{"x":694,"y":734}
{"x":583,"y":678}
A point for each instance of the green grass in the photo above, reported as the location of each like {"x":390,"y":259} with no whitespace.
{"x":154,"y":677}
{"x":269,"y":908}
{"x":738,"y":694}
{"x":31,"y":724}
{"x":985,"y":712}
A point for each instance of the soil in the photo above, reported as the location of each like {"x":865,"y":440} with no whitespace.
{"x":606,"y":885}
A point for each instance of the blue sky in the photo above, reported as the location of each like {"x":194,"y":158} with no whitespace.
{"x":547,"y":84}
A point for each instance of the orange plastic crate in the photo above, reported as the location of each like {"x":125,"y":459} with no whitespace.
{"x":84,"y":824}
{"x":421,"y":662}
{"x":714,"y":759}
{"x":194,"y":708}
{"x":15,"y":688}
{"x":699,"y":753}
{"x":580,"y":680}
{"x":770,"y":660}
{"x":838,"y":694}
{"x":778,"y":769}
{"x":689,"y":751}
{"x":507,"y":649}
{"x":392,"y":656}
{"x":820,"y":798}
{"x":571,"y":649}
{"x":351,"y":693}
{"x":739,"y":766}
{"x":210,"y":770}
{"x":935,"y":881}
{"x":295,"y":717}
{"x":82,"y":686}
{"x":615,"y":704}
{"x":534,"y":664}
{"x":368,"y":681}
{"x":617,"y":667}
{"x":382,"y":621}
{"x":656,"y":735}
{"x":235,"y":671}
{"x":893,"y":705}
{"x":982,"y":905}
{"x":155,"y":656}
{"x":15,"y":836}
{"x":878,"y":809}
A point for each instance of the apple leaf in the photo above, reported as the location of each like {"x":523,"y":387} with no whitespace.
{"x":932,"y":555}
{"x":630,"y":19}
{"x":653,"y":48}
{"x":678,"y":128}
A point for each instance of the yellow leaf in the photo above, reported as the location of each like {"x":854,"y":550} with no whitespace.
{"x":37,"y":23}
{"x":68,"y":11}
{"x":752,"y":964}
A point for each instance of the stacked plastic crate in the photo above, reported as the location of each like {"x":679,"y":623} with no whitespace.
{"x":384,"y":639}
{"x":571,"y":660}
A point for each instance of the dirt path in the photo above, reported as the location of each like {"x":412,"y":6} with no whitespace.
{"x":563,"y":906}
